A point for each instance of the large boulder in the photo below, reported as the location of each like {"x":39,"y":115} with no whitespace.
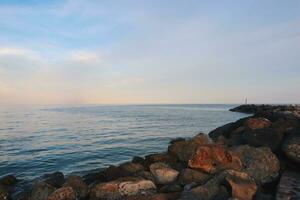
{"x":41,"y":191}
{"x":78,"y":185}
{"x":260,"y":163}
{"x":55,"y":179}
{"x":243,"y":186}
{"x":289,"y":186}
{"x":184,"y":149}
{"x":188,"y":176}
{"x":268,"y":137}
{"x":257,"y":123}
{"x":163,"y":173}
{"x":8,"y":180}
{"x":213,"y":158}
{"x":124,"y":170}
{"x":63,"y":193}
{"x":121,"y":188}
{"x":291,"y":145}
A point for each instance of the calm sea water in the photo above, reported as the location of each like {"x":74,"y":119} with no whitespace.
{"x":39,"y":139}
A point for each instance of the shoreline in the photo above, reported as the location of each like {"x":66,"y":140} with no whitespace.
{"x":217,"y":165}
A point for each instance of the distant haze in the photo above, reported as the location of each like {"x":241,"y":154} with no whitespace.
{"x":149,"y":51}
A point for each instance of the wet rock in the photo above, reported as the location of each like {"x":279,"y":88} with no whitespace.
{"x":78,"y":185}
{"x":55,"y":179}
{"x":268,"y":137}
{"x":260,"y":163}
{"x":257,"y":123}
{"x":183,"y":150}
{"x":64,"y":193}
{"x":243,"y":186}
{"x":162,"y":173}
{"x":8,"y":180}
{"x":291,"y":145}
{"x":41,"y":191}
{"x":173,"y":187}
{"x":95,"y":177}
{"x":289,"y":186}
{"x":129,"y":168}
{"x":120,"y":188}
{"x":213,"y":158}
{"x":158,"y":157}
{"x":139,"y":160}
{"x":188,"y":176}
{"x":4,"y":193}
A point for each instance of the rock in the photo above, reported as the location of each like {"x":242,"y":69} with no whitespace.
{"x":260,"y":163}
{"x":158,"y":157}
{"x":159,"y":196}
{"x":95,"y":177}
{"x":4,"y":193}
{"x":268,"y":137}
{"x":120,"y":188}
{"x":289,"y":186}
{"x":139,"y":160}
{"x":41,"y":191}
{"x":64,"y":193}
{"x":177,"y":140}
{"x":8,"y":180}
{"x":291,"y":145}
{"x":129,"y":168}
{"x":208,"y":191}
{"x":257,"y":123}
{"x":55,"y":179}
{"x":78,"y":185}
{"x":243,"y":187}
{"x":162,"y":173}
{"x":213,"y":158}
{"x":173,"y":187}
{"x":183,"y":150}
{"x":188,"y":176}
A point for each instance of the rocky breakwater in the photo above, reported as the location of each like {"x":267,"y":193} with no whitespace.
{"x":253,"y":158}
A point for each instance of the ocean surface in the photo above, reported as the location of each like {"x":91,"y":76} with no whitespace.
{"x":35,"y":140}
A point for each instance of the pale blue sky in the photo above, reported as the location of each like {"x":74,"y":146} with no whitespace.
{"x":158,"y":51}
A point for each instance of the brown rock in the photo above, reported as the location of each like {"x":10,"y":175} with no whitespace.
{"x":120,"y":188}
{"x":78,"y":186}
{"x":173,"y":187}
{"x":289,"y":186}
{"x":183,"y":150}
{"x":163,"y":173}
{"x":64,"y":193}
{"x":291,"y":145}
{"x":55,"y":179}
{"x":257,"y":123}
{"x":213,"y":158}
{"x":8,"y":180}
{"x":188,"y":176}
{"x":243,"y":187}
{"x":129,"y":168}
{"x":41,"y":191}
{"x":260,"y":163}
{"x":159,"y":196}
{"x":158,"y":157}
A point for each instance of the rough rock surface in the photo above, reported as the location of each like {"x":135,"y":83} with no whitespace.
{"x":260,"y":163}
{"x":41,"y":191}
{"x":4,"y":194}
{"x":291,"y":145}
{"x":243,"y":187}
{"x":289,"y":186}
{"x":188,"y":176}
{"x":63,"y":193}
{"x":257,"y":123}
{"x":55,"y":179}
{"x":213,"y":158}
{"x":162,"y":173}
{"x":78,"y":186}
{"x":121,"y":188}
{"x":184,"y":149}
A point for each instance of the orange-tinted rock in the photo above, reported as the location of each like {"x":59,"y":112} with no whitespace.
{"x":183,"y":150}
{"x":243,"y":187}
{"x":257,"y":123}
{"x":64,"y":193}
{"x":213,"y":158}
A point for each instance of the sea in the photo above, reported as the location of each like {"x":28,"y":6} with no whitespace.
{"x":35,"y":140}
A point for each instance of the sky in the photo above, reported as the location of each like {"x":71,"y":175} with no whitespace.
{"x":143,"y":52}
